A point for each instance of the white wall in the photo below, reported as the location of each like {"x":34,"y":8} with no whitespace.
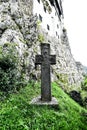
{"x":47,"y":18}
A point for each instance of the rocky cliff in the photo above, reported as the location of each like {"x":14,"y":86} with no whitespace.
{"x":18,"y":25}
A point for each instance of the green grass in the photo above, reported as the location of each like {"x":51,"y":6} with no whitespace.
{"x":17,"y":114}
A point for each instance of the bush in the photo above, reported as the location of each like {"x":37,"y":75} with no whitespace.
{"x":84,"y":84}
{"x":84,"y":92}
{"x":9,"y":71}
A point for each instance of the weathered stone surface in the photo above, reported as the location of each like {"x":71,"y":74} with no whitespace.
{"x":17,"y":25}
{"x":38,"y":101}
{"x":66,"y":66}
{"x":45,"y":60}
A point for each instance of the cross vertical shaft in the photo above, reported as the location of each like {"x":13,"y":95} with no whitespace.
{"x":45,"y":60}
{"x":45,"y":73}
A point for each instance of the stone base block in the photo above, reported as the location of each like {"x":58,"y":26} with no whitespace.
{"x":37,"y":101}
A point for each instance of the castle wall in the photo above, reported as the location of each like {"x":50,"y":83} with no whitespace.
{"x":18,"y":25}
{"x":49,"y":19}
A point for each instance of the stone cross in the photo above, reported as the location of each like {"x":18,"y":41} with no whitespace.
{"x":45,"y":60}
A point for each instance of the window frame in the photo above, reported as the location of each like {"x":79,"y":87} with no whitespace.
{"x":38,"y":1}
{"x":40,"y":18}
{"x":44,"y":9}
{"x":48,"y":27}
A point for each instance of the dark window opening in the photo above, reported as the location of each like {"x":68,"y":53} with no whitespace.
{"x":52,"y":17}
{"x":55,"y":14}
{"x":44,"y":9}
{"x":38,"y":1}
{"x":40,"y":17}
{"x":52,"y":2}
{"x":48,"y":27}
{"x":57,"y":26}
{"x":57,"y":4}
{"x":56,"y":34}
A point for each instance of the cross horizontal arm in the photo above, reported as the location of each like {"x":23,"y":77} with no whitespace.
{"x":38,"y":59}
{"x":52,"y":59}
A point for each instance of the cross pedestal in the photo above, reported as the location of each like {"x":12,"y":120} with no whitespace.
{"x":45,"y":60}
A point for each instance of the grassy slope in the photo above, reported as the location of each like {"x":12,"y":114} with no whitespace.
{"x":17,"y":114}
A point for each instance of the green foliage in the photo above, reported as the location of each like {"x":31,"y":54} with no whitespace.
{"x":9,"y":60}
{"x":84,"y":92}
{"x":84,"y":84}
{"x":17,"y":114}
{"x":40,"y":38}
{"x":63,"y":81}
{"x":38,"y":24}
{"x":63,"y":78}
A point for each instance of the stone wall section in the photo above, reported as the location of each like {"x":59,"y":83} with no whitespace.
{"x":18,"y":25}
{"x":66,"y":66}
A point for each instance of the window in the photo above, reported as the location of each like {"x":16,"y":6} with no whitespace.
{"x":48,"y":27}
{"x":40,"y":17}
{"x":55,"y":13}
{"x":38,"y":1}
{"x":57,"y":26}
{"x":56,"y":34}
{"x":44,"y":9}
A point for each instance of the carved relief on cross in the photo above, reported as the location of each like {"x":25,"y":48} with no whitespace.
{"x":45,"y":60}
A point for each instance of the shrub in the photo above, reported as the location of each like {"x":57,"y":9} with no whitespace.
{"x":9,"y":71}
{"x":84,"y":92}
{"x":84,"y":84}
{"x":40,"y":38}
